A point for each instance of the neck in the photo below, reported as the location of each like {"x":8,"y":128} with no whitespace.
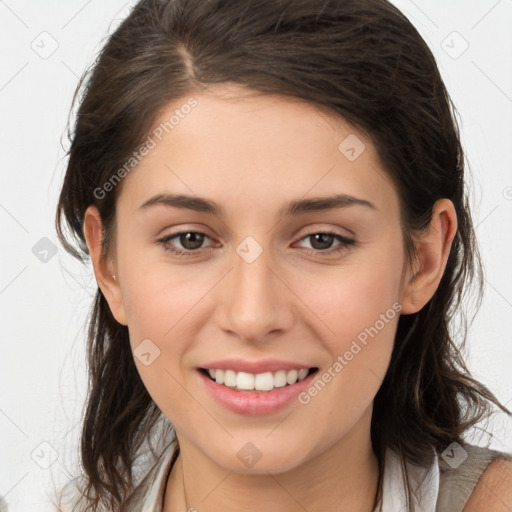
{"x":343,"y":477}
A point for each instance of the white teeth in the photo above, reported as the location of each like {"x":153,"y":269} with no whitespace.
{"x":291,"y":376}
{"x":280,"y":379}
{"x":244,"y":380}
{"x":302,"y":374}
{"x":230,"y":378}
{"x":260,"y":382}
{"x":264,"y":381}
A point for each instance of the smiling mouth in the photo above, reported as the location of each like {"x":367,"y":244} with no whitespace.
{"x":257,"y":383}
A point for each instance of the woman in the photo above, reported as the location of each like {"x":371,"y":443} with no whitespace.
{"x":272,"y":197}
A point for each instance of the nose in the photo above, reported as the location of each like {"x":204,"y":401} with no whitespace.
{"x":254,"y":300}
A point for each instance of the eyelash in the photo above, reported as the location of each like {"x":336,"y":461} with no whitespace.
{"x":344,"y":245}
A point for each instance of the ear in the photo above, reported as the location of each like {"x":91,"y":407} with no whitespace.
{"x":104,"y":268}
{"x":433,"y":248}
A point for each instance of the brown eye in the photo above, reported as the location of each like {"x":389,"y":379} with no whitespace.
{"x":190,"y":242}
{"x":322,"y":242}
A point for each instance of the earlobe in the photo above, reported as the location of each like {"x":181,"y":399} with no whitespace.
{"x":103,"y":267}
{"x":432,"y":248}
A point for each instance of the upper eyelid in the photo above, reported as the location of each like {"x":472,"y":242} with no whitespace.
{"x":318,"y":227}
{"x":310,"y":233}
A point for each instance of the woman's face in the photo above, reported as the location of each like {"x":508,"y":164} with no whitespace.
{"x":259,"y":285}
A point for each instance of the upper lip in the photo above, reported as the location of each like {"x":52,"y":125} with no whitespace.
{"x":260,"y":366}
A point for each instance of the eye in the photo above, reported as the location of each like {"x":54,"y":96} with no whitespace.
{"x":192,"y":241}
{"x":322,"y":241}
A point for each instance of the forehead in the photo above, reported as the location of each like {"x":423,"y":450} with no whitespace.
{"x":244,"y":148}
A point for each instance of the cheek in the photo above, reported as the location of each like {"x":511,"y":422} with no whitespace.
{"x":354,"y":297}
{"x":359,"y":351}
{"x":360,"y":308}
{"x":158,"y":299}
{"x":165,"y":307}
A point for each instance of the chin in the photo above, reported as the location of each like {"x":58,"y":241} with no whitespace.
{"x":249,"y":460}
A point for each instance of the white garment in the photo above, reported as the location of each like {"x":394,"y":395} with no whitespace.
{"x":425,"y":481}
{"x":154,"y":495}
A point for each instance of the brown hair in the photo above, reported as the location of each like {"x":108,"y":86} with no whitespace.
{"x":361,"y":59}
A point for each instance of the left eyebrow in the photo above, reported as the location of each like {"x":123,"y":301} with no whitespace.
{"x":316,"y":204}
{"x":200,"y":204}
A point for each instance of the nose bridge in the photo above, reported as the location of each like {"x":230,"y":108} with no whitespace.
{"x":254,"y":304}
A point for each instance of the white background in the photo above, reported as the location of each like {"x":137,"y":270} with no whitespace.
{"x":44,"y":305}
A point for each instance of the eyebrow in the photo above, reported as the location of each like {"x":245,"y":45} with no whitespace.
{"x":200,"y":204}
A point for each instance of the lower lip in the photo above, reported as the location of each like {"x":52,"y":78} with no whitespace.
{"x":256,"y":404}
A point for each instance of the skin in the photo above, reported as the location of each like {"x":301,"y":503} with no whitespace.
{"x":252,"y":154}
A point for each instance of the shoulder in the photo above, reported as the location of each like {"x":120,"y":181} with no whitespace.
{"x":474,"y":478}
{"x":493,"y":491}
